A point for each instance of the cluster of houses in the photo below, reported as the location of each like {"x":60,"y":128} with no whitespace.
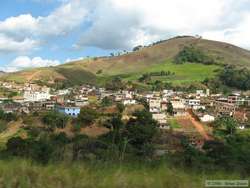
{"x":206,"y":106}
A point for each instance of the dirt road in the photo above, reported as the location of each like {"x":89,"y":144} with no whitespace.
{"x":199,"y":127}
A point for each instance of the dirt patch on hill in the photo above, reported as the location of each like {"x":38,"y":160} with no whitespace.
{"x":94,"y":131}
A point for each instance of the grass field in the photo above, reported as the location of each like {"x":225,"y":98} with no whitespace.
{"x":23,"y":174}
{"x":184,"y":73}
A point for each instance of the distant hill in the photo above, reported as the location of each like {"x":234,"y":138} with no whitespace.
{"x":2,"y":73}
{"x":157,"y":57}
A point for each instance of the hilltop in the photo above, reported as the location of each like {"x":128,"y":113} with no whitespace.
{"x":154,"y":58}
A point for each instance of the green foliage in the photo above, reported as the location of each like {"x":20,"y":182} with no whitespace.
{"x":39,"y":149}
{"x":99,"y":72}
{"x":29,"y":148}
{"x":120,"y":107}
{"x":238,"y":78}
{"x":227,"y":123}
{"x":87,"y":116}
{"x":55,"y":120}
{"x":3,"y":126}
{"x":192,"y":54}
{"x":12,"y":94}
{"x":140,"y":131}
{"x":7,"y":116}
{"x":170,"y":109}
{"x":106,"y":101}
{"x":115,"y":84}
{"x":76,"y":128}
{"x":147,"y":77}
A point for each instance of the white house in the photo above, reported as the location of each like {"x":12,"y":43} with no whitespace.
{"x":193,"y":102}
{"x":35,"y":96}
{"x":63,"y":92}
{"x":81,"y":102}
{"x":168,"y":93}
{"x":207,"y":118}
{"x":155,"y":105}
{"x":128,"y":102}
{"x":161,"y":118}
{"x":179,"y":108}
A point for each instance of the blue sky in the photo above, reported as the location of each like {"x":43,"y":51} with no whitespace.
{"x":36,"y":33}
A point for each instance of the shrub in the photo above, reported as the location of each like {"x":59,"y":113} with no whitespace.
{"x":87,"y":116}
{"x":193,"y":55}
{"x":55,"y":119}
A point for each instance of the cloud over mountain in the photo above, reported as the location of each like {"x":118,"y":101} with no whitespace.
{"x":122,"y":24}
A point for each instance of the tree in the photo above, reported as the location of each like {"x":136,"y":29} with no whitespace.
{"x":136,"y":48}
{"x":170,"y":108}
{"x":87,"y":115}
{"x":106,"y":101}
{"x":227,"y":123}
{"x":192,"y":54}
{"x":120,"y":107}
{"x":55,"y":119}
{"x":140,"y":131}
{"x":238,"y":78}
{"x":115,"y":84}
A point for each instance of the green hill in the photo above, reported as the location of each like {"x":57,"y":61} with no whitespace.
{"x":157,"y":57}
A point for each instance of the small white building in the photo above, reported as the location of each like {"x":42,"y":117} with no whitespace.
{"x":128,"y":102}
{"x":193,"y":102}
{"x":63,"y":92}
{"x":161,"y":118}
{"x":155,"y":105}
{"x":207,"y":118}
{"x":179,"y":108}
{"x":168,"y":93}
{"x":81,"y":102}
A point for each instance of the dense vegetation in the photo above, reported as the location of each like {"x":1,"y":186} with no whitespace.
{"x":236,"y":78}
{"x":55,"y":120}
{"x":129,"y":146}
{"x":7,"y":116}
{"x":192,"y":54}
{"x":229,"y":78}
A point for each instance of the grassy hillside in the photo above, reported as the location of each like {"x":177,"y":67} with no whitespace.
{"x":22,"y":174}
{"x":155,"y":57}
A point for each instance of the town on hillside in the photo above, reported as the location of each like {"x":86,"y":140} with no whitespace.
{"x":189,"y":113}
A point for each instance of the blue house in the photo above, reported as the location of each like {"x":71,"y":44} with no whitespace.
{"x":69,"y":110}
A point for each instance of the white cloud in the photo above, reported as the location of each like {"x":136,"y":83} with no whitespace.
{"x":120,"y":24}
{"x":8,"y":44}
{"x":60,"y":22}
{"x":235,"y":35}
{"x":24,"y":62}
{"x":125,"y":23}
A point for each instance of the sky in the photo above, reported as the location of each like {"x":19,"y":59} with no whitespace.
{"x":37,"y":33}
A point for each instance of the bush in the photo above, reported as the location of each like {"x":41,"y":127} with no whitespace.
{"x":87,"y":116}
{"x":7,"y":116}
{"x":106,"y":101}
{"x":193,"y":55}
{"x":238,"y":78}
{"x":55,"y":120}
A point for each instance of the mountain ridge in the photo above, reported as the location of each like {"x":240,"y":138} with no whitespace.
{"x":156,"y":56}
